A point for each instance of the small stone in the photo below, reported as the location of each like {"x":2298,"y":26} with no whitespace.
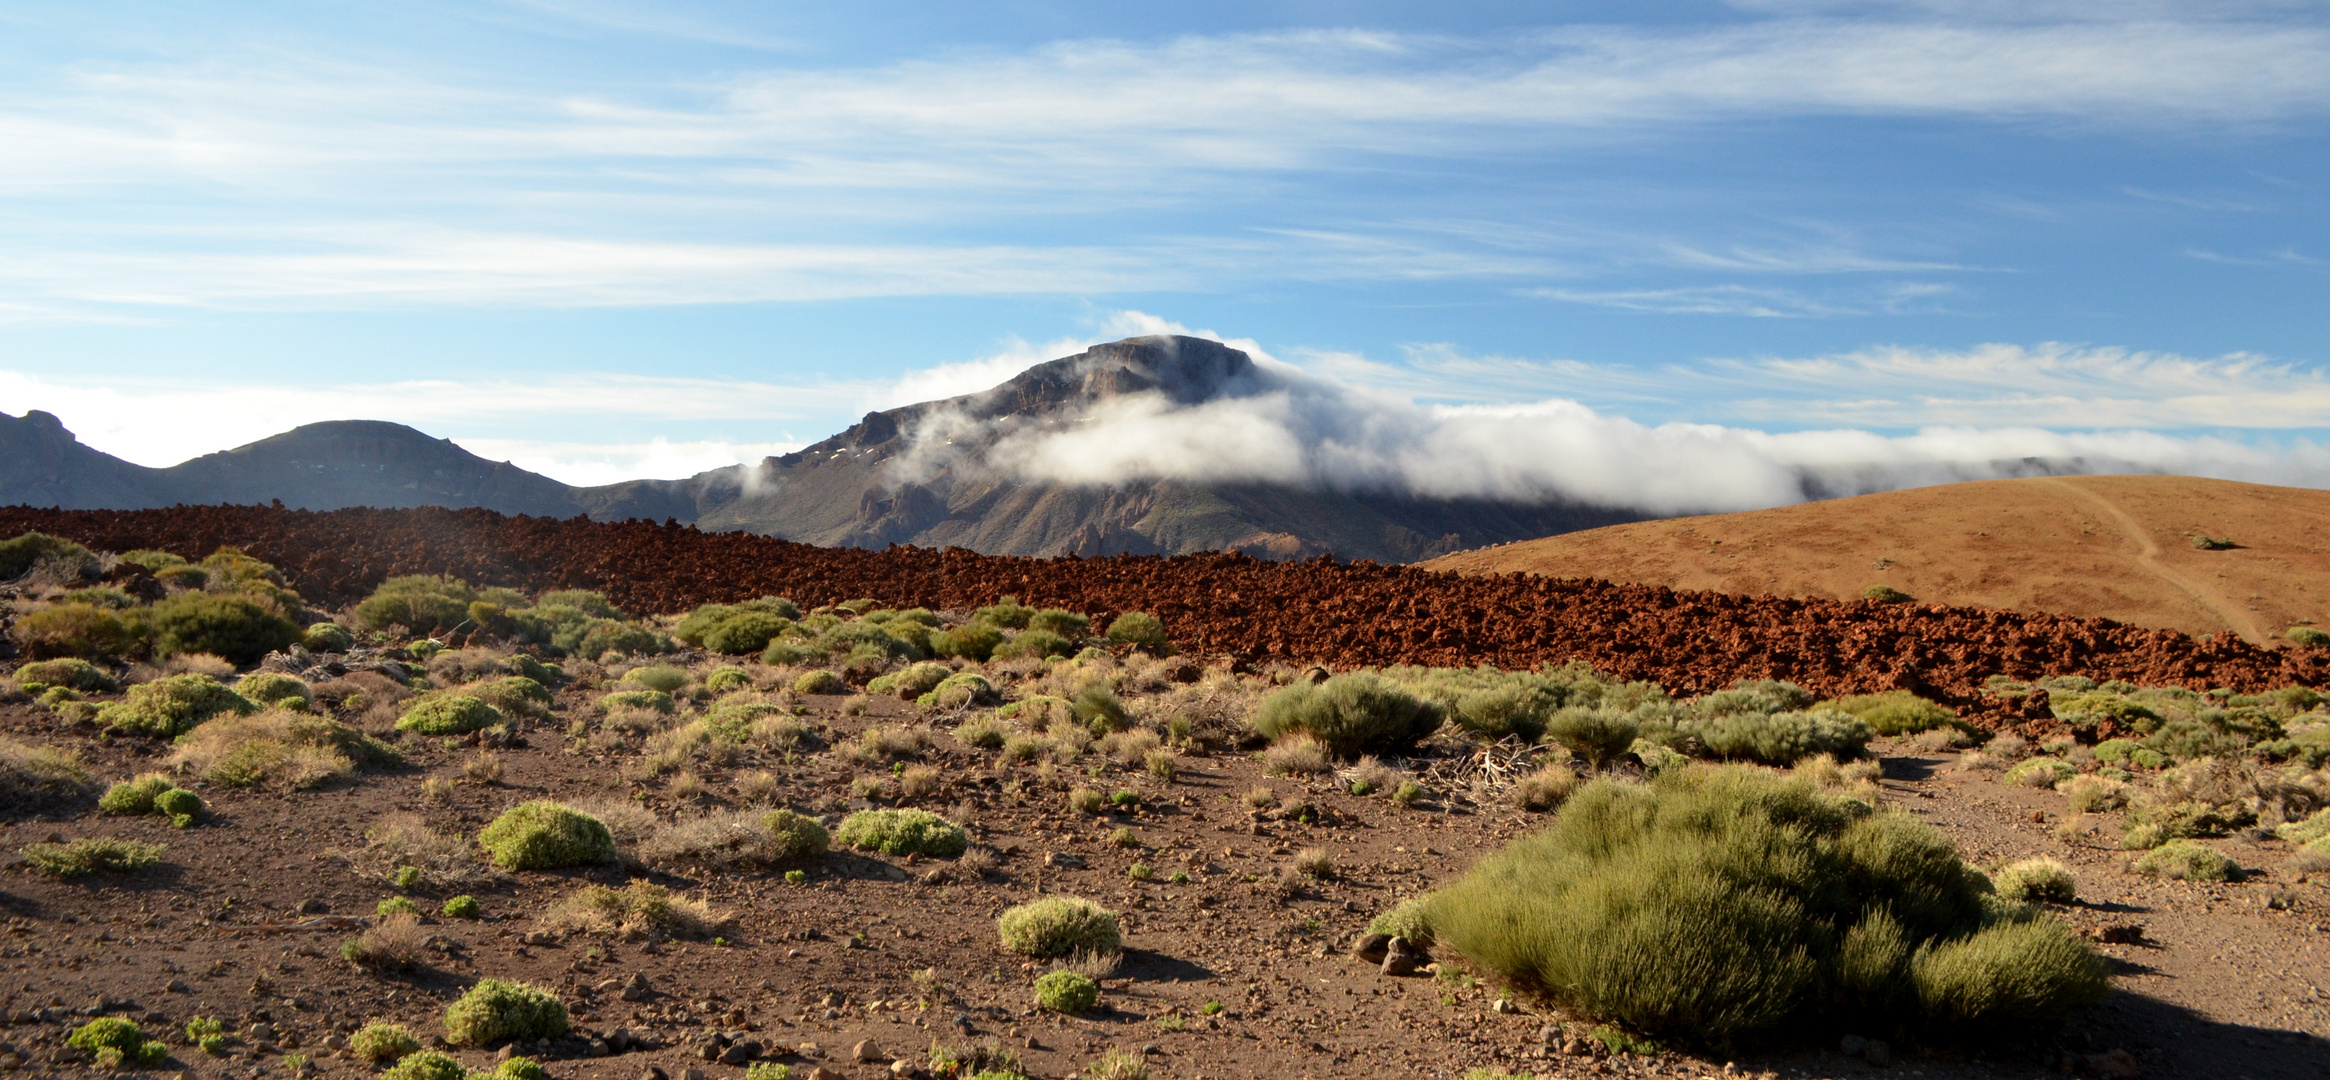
{"x":867,"y":1051}
{"x":506,"y":1052}
{"x":1371,"y":947}
{"x":654,"y":1072}
{"x":1504,"y":1006}
{"x":177,"y":986}
{"x":823,"y":1073}
{"x":335,"y":1042}
{"x":636,"y":988}
{"x":903,"y":1068}
{"x":1852,"y":1045}
{"x":692,"y":1073}
{"x":809,"y":1050}
{"x":314,"y":906}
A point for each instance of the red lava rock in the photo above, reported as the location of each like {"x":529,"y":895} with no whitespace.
{"x":1339,"y":614}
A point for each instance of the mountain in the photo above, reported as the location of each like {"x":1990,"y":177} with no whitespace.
{"x":923,"y":474}
{"x":2116,"y":547}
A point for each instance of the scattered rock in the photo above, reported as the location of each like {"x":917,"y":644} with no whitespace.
{"x":903,"y":1068}
{"x":823,"y":1073}
{"x":1064,"y":861}
{"x":1403,"y":958}
{"x":1505,"y":1007}
{"x":692,"y":1073}
{"x":177,"y":986}
{"x":636,"y":988}
{"x":1371,"y":947}
{"x":654,"y":1072}
{"x":314,"y":906}
{"x":2120,"y":933}
{"x":867,"y":1051}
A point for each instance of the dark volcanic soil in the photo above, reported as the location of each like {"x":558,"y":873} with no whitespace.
{"x":1340,"y":614}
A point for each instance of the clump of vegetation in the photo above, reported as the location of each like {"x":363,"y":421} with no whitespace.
{"x":34,"y":777}
{"x":1059,"y":926}
{"x":450,"y":714}
{"x":394,"y":942}
{"x":1546,"y":788}
{"x":2035,"y":880}
{"x":1894,"y":712}
{"x":1766,"y":722}
{"x":959,"y":690}
{"x":464,"y":906}
{"x":427,"y":1065}
{"x":20,"y":554}
{"x":1295,"y":755}
{"x":1140,"y":630}
{"x":80,"y":630}
{"x":72,"y":673}
{"x":1718,"y":903}
{"x":818,"y":682}
{"x":240,"y":628}
{"x":727,"y":680}
{"x":275,"y":688}
{"x":135,"y":795}
{"x":326,"y":637}
{"x":93,"y":855}
{"x":544,"y":835}
{"x":381,"y":1041}
{"x":207,"y":1034}
{"x":1886,"y":594}
{"x":739,"y":839}
{"x":172,"y":706}
{"x":112,"y":1042}
{"x":2188,"y":860}
{"x":299,"y":750}
{"x":1596,"y":733}
{"x":1410,"y":920}
{"x":493,"y":1011}
{"x":1033,"y":645}
{"x":1353,"y":714}
{"x":640,"y":909}
{"x":1065,"y":991}
{"x":2205,"y":542}
{"x":2040,"y":772}
{"x":902,"y":832}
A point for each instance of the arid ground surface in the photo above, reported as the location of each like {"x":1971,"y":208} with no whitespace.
{"x":2116,"y":547}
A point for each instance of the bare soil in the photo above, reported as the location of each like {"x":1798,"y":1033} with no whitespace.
{"x":2226,"y":980}
{"x":2112,"y":547}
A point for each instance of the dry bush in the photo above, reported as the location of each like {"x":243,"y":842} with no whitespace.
{"x":395,"y":943}
{"x":1130,"y":748}
{"x":1260,"y":798}
{"x":198,"y":664}
{"x":1314,"y":863}
{"x":1296,"y":755}
{"x":920,"y":782}
{"x":38,"y":777}
{"x":759,"y":786}
{"x":1939,"y":740}
{"x":1162,"y":765}
{"x":1544,"y":789}
{"x":1370,"y":776}
{"x":686,"y":785}
{"x":485,"y":767}
{"x":640,"y":910}
{"x":628,"y":822}
{"x":888,"y":742}
{"x":444,"y":859}
{"x":297,"y":749}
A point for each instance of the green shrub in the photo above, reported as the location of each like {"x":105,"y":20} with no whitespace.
{"x":1067,"y":624}
{"x":1411,"y":920}
{"x":638,"y":699}
{"x":1350,"y":715}
{"x":512,"y":694}
{"x":662,"y":678}
{"x":449,"y":714}
{"x":1033,"y":645}
{"x":602,"y":637}
{"x":520,"y":1068}
{"x":543,"y":835}
{"x":2129,"y":752}
{"x":970,"y":641}
{"x":727,"y":680}
{"x":1714,"y":904}
{"x":1066,"y":992}
{"x":236,"y":628}
{"x":777,"y":1070}
{"x":19,"y":554}
{"x":959,"y":690}
{"x":136,"y":795}
{"x":1098,"y":709}
{"x":173,"y":706}
{"x":818,"y":682}
{"x":93,"y":855}
{"x":1782,"y":738}
{"x":181,"y":806}
{"x":2307,"y":831}
{"x":1510,"y":707}
{"x":114,"y":1042}
{"x":917,"y":680}
{"x":902,"y":832}
{"x":2036,"y":879}
{"x":2005,"y":974}
{"x":2156,"y":824}
{"x":493,"y":1011}
{"x":397,"y":905}
{"x":2306,"y":636}
{"x":1886,"y":594}
{"x":850,"y":637}
{"x":207,"y":1034}
{"x":1140,"y":630}
{"x":1595,"y":733}
{"x":417,"y":603}
{"x":2040,"y":772}
{"x":1057,"y":927}
{"x":1007,"y":613}
{"x":1894,"y":712}
{"x":794,"y":836}
{"x":2188,"y":860}
{"x":426,"y":1065}
{"x":745,"y":633}
{"x":72,"y":673}
{"x":298,"y":749}
{"x":464,"y":906}
{"x":381,"y":1041}
{"x":327,"y":637}
{"x":274,"y":688}
{"x":84,"y":630}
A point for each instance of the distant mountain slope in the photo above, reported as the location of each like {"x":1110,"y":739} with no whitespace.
{"x":2115,"y":547}
{"x":878,"y":484}
{"x":920,"y":474}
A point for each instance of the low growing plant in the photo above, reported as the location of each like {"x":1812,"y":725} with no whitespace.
{"x":1350,"y":715}
{"x":172,"y":706}
{"x":493,"y":1011}
{"x":1066,"y":992}
{"x":93,"y":855}
{"x":544,"y":835}
{"x":1058,"y":927}
{"x":902,"y":832}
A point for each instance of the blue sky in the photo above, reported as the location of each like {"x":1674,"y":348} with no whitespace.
{"x":608,"y":238}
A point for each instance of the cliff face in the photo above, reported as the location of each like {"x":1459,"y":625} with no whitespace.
{"x":919,"y":474}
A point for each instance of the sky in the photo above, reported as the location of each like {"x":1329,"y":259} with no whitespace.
{"x":609,"y":239}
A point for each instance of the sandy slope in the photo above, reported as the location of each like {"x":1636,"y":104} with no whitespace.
{"x":2111,"y":546}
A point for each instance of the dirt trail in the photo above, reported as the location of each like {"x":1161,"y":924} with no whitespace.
{"x":2243,"y":621}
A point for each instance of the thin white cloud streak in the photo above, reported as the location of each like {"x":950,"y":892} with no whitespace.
{"x":593,"y":464}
